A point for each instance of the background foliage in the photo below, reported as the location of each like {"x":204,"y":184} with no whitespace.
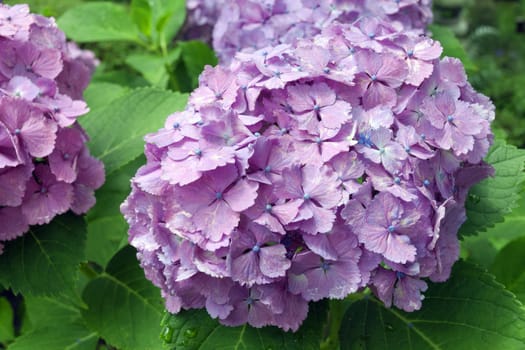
{"x":76,"y":284}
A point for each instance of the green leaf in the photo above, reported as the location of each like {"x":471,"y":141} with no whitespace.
{"x":501,"y":234}
{"x":132,"y":116}
{"x":55,"y":325}
{"x":195,"y":330}
{"x":169,"y":16}
{"x":107,"y":229}
{"x":470,"y":311}
{"x":123,"y":307}
{"x":509,"y":267}
{"x":100,"y":94}
{"x":98,"y":21}
{"x":483,"y":249}
{"x":452,"y":46}
{"x":153,"y":67}
{"x":45,"y":260}
{"x":494,"y":197}
{"x":195,"y":56}
{"x":124,"y":77}
{"x":7,"y":324}
{"x":478,"y":250}
{"x":46,"y":7}
{"x":142,"y":15}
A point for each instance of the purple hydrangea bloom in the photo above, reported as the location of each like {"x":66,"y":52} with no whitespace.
{"x":251,"y":25}
{"x":316,"y":172}
{"x":45,"y":166}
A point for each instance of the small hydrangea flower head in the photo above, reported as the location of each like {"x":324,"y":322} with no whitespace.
{"x":251,"y":25}
{"x":322,"y":167}
{"x":45,"y":166}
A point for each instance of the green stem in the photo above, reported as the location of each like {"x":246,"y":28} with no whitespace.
{"x":88,"y":270}
{"x":336,"y":313}
{"x":335,"y":316}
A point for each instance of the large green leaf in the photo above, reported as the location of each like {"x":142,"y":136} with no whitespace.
{"x":509,"y":267}
{"x":56,"y":325}
{"x":123,"y":307}
{"x":107,"y":229}
{"x":45,"y":260}
{"x":98,"y":21}
{"x":470,"y":311}
{"x":132,"y":116}
{"x":451,"y":45}
{"x":100,"y":94}
{"x":494,"y":197}
{"x":195,"y":330}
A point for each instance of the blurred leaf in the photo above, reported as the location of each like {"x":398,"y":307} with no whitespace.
{"x":121,"y":77}
{"x":7,"y":325}
{"x":98,"y":21}
{"x":107,"y":229}
{"x":484,"y":248}
{"x":512,"y":228}
{"x":169,"y":17}
{"x":142,"y":14}
{"x":153,"y":67}
{"x":195,"y":330}
{"x":509,"y":267}
{"x":494,"y":197}
{"x":45,"y":260}
{"x":132,"y":116}
{"x":46,"y":7}
{"x":479,"y":250}
{"x":195,"y":56}
{"x":124,"y":307}
{"x":469,"y":311}
{"x":452,"y":46}
{"x":56,"y":325}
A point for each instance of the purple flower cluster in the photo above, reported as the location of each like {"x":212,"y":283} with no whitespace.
{"x":45,"y":167}
{"x":252,"y":25}
{"x":311,"y":171}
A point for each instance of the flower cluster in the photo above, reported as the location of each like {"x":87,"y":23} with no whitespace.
{"x":311,"y":170}
{"x":45,"y":167}
{"x":252,"y":25}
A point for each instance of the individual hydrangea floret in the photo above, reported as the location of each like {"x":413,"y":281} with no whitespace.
{"x":251,"y":25}
{"x":312,"y":170}
{"x":45,"y":166}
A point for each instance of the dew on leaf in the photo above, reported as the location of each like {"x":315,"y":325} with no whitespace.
{"x":190,"y":333}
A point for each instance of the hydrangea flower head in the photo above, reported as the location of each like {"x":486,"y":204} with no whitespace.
{"x":43,"y":156}
{"x":251,"y":25}
{"x":323,"y":167}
